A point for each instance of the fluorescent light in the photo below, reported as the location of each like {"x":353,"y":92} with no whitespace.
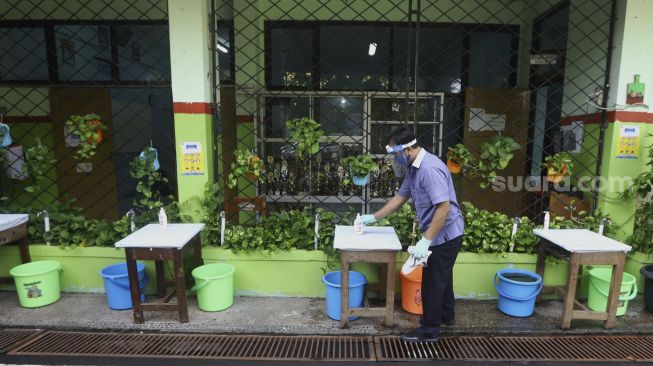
{"x":372,"y":50}
{"x":222,"y":48}
{"x":343,"y":101}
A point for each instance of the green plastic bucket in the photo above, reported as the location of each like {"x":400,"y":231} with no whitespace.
{"x":37,"y":283}
{"x":599,"y":287}
{"x":214,"y":284}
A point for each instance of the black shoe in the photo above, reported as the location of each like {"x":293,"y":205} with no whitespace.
{"x":420,"y":335}
{"x":449,"y":323}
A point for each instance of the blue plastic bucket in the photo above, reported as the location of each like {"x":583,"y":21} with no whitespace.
{"x":517,"y":290}
{"x":116,"y":284}
{"x":332,"y":280}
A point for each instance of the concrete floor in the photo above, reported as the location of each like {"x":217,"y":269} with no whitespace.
{"x":279,"y":315}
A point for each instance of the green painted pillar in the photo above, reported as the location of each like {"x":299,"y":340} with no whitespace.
{"x":630,"y":123}
{"x":191,"y":93}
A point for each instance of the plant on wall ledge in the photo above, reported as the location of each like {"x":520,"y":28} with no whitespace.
{"x":248,"y":165}
{"x":558,"y":166}
{"x":89,"y":130}
{"x":458,"y":157}
{"x":360,"y":167}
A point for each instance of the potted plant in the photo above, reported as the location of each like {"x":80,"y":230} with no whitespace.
{"x":558,"y":166}
{"x":360,"y":167}
{"x":495,"y":156}
{"x":89,"y":129}
{"x":247,"y":165}
{"x":38,"y":161}
{"x":457,"y":157}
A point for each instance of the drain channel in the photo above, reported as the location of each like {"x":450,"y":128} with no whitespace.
{"x":60,"y":343}
{"x":553,"y":348}
{"x":9,"y":337}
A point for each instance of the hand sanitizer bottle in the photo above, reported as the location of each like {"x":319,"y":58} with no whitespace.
{"x":547,"y":219}
{"x":163,"y":219}
{"x":358,"y":225}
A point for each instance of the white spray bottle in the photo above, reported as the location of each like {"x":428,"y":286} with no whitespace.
{"x":163,"y":218}
{"x":547,"y":219}
{"x":358,"y":225}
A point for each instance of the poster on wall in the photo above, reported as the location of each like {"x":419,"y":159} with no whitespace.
{"x":192,"y":160}
{"x":628,"y":143}
{"x":572,"y":137}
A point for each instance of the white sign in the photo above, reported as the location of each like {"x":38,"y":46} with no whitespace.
{"x":192,"y":161}
{"x":544,"y":59}
{"x":480,"y":120}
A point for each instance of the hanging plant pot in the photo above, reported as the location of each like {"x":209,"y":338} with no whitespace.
{"x":555,"y":177}
{"x":359,"y":181}
{"x":454,"y":168}
{"x":251,"y":177}
{"x":98,"y":131}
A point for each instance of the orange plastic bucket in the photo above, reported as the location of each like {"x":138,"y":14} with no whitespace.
{"x":411,"y":291}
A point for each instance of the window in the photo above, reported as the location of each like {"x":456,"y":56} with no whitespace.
{"x":491,"y":62}
{"x":354,"y":57}
{"x":80,"y":56}
{"x":440,"y":57}
{"x":143,"y":52}
{"x":23,"y":54}
{"x":225,"y":46}
{"x":291,"y":57}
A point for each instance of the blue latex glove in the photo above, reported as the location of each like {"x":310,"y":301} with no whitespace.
{"x":421,"y":248}
{"x":368,"y":219}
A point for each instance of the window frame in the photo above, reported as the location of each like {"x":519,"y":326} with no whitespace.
{"x":51,"y":51}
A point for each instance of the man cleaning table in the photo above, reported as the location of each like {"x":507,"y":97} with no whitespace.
{"x":428,"y":182}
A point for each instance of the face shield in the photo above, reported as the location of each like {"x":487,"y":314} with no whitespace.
{"x":400,"y":162}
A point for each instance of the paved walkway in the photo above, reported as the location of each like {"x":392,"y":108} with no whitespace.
{"x":282,"y":315}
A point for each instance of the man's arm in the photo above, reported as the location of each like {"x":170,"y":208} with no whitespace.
{"x":393,"y":205}
{"x":440,"y":215}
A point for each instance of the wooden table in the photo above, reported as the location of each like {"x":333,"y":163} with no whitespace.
{"x":13,"y":229}
{"x":379,"y":244}
{"x":583,"y":247}
{"x":159,"y":243}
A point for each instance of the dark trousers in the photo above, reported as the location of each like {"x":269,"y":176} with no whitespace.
{"x":437,"y":284}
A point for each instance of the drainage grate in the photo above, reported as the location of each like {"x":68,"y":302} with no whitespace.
{"x":60,"y":343}
{"x":554,"y":348}
{"x":10,"y":337}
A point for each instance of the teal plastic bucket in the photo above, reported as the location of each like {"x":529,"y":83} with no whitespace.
{"x":332,"y":280}
{"x":116,"y":285}
{"x":37,"y":283}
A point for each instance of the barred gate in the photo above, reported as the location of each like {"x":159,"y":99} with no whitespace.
{"x":455,"y":71}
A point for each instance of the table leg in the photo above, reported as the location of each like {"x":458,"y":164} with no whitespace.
{"x":181,"y":289}
{"x":615,"y":289}
{"x":134,"y":287}
{"x":391,"y":269}
{"x":344,"y":290}
{"x":160,"y":278}
{"x":383,"y":274}
{"x":568,"y":305}
{"x":197,"y":248}
{"x":539,"y":267}
{"x":24,"y":250}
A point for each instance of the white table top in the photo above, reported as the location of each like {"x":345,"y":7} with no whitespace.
{"x":581,"y":240}
{"x":7,"y":221}
{"x":374,"y":238}
{"x":156,"y":236}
